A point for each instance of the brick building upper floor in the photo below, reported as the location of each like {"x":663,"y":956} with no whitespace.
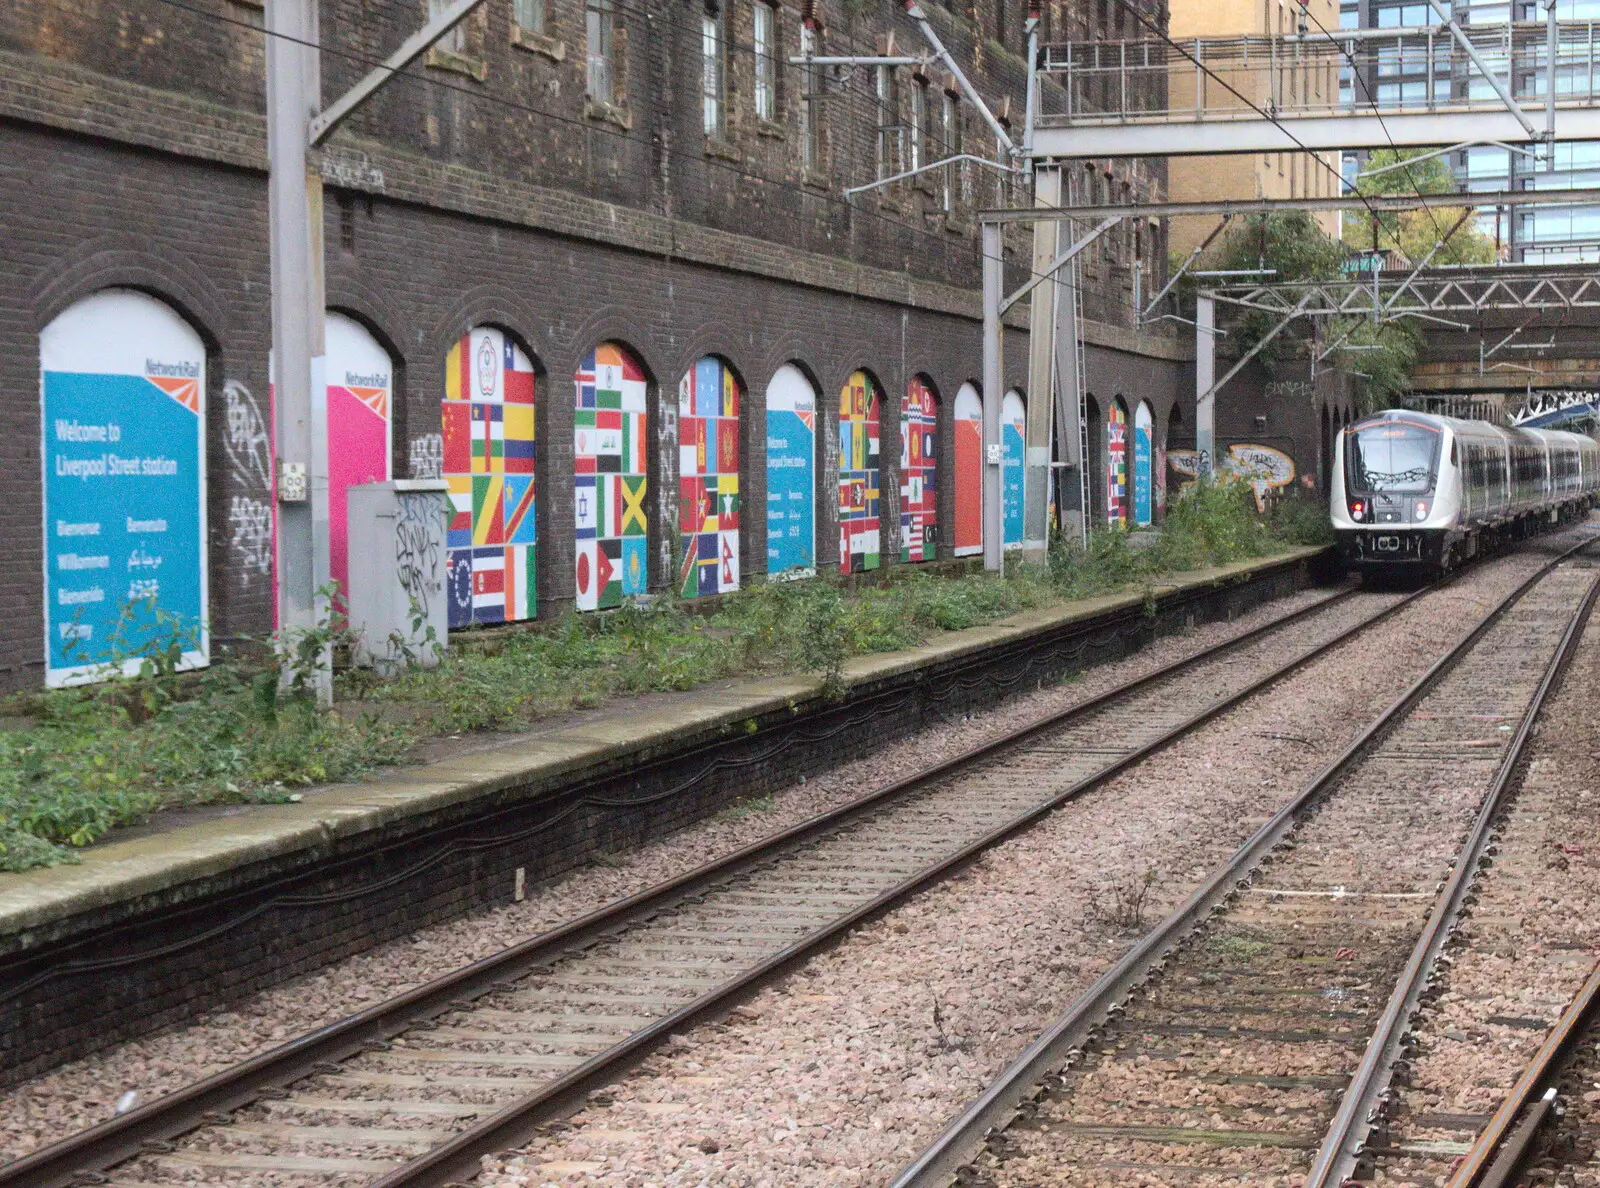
{"x":690,"y":109}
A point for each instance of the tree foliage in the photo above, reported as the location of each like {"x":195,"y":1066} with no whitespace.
{"x":1414,"y":232}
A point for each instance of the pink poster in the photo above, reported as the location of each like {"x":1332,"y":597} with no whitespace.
{"x":359,"y":377}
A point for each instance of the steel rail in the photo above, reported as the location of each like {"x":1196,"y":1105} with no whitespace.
{"x":1344,"y":1145}
{"x":124,"y":1137}
{"x":459,"y":1157}
{"x":955,"y":1146}
{"x":1498,"y":1150}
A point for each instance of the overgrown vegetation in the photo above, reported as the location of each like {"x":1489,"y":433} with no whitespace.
{"x":77,"y":763}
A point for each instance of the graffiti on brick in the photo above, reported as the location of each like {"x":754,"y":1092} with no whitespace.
{"x":250,"y":536}
{"x":1265,"y":468}
{"x":425,"y":456}
{"x":246,"y":442}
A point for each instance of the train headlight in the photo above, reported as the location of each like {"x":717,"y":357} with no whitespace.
{"x":1422,"y":509}
{"x":1358,"y":509}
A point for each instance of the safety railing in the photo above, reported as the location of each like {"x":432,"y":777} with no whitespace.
{"x":1349,"y":71}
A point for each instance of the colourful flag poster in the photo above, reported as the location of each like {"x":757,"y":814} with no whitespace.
{"x":1117,"y":465}
{"x":791,"y":473}
{"x":122,"y":395}
{"x":709,"y":397}
{"x":609,"y":467}
{"x":488,"y":415}
{"x":969,"y":471}
{"x":860,"y":535}
{"x":919,"y":469}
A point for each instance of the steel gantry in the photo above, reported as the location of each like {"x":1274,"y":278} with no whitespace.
{"x":1307,"y":91}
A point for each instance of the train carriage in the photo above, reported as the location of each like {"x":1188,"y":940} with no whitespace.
{"x":1412,"y":490}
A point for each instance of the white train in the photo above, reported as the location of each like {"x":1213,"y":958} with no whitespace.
{"x":1418,"y":491}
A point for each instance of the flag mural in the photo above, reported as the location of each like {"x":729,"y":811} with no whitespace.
{"x":1013,"y":436}
{"x":860,"y":534}
{"x":608,"y":462}
{"x":1143,"y":502}
{"x":359,"y":374}
{"x":919,"y":461}
{"x":488,"y":416}
{"x":791,"y":473}
{"x":1117,"y":465}
{"x":969,"y":471}
{"x":709,"y":397}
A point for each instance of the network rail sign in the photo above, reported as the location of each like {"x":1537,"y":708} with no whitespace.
{"x":122,"y":391}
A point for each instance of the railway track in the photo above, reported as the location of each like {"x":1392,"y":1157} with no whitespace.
{"x":415,"y":1091}
{"x":1252,"y":1036}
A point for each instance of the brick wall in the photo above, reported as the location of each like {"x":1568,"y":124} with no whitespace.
{"x":132,"y":152}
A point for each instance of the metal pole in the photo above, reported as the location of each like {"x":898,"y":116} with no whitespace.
{"x":993,"y":383}
{"x":294,"y":202}
{"x":1205,"y":372}
{"x":1552,"y":48}
{"x":1069,"y":404}
{"x":1041,"y":362}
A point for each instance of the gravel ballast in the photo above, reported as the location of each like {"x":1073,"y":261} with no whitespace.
{"x":841,"y":1074}
{"x":85,"y":1092}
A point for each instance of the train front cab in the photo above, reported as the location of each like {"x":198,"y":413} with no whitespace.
{"x":1393,"y":504}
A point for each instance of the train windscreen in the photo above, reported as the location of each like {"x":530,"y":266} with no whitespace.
{"x":1394,"y":456}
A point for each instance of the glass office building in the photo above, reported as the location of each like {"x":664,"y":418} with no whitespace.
{"x":1408,"y":74}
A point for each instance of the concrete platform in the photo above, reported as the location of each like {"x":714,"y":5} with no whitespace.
{"x":137,"y":920}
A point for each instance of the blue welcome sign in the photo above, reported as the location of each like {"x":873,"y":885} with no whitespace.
{"x":123,"y":401}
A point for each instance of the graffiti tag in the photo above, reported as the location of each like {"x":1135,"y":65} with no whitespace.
{"x":250,"y":521}
{"x":248,"y":447}
{"x":419,"y":550}
{"x":1266,"y":469}
{"x":426,"y":456}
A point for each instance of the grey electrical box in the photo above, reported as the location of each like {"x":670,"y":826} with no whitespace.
{"x":398,"y":610}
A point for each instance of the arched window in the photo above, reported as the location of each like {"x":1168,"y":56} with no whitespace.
{"x":123,"y":396}
{"x":1178,"y":453}
{"x":1096,"y":461}
{"x":360,"y":378}
{"x":860,"y":528}
{"x":709,"y":399}
{"x":488,"y":461}
{"x":1117,"y":463}
{"x":1143,"y":465}
{"x":609,"y":458}
{"x":968,"y":452}
{"x":1013,"y":440}
{"x":919,"y":471}
{"x":791,"y":473}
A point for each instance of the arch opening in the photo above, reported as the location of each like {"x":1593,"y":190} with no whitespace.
{"x":860,"y":524}
{"x":123,"y":444}
{"x":1144,"y":504}
{"x":710,"y":397}
{"x":919,"y":471}
{"x":968,"y":452}
{"x":1117,"y":463}
{"x":610,"y":460}
{"x":791,"y":473}
{"x":1013,"y":442}
{"x":488,"y":460}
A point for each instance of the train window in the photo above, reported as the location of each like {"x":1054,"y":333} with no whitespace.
{"x":1391,"y":456}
